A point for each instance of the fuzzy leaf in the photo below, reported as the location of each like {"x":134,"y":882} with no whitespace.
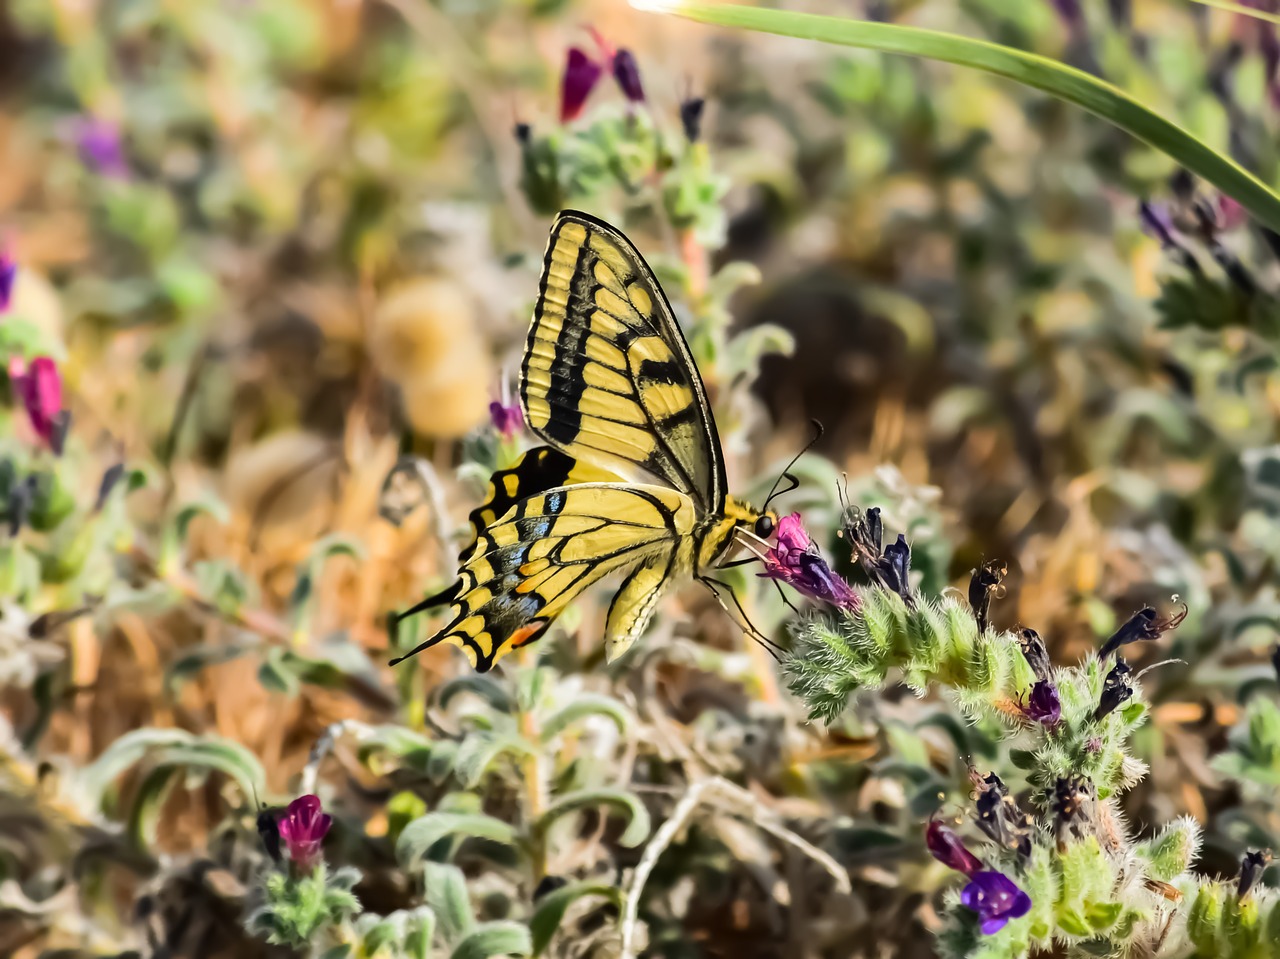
{"x":550,"y":909}
{"x":420,"y":835}
{"x":445,"y":891}
{"x":581,"y":708}
{"x":502,"y":938}
{"x":637,"y":830}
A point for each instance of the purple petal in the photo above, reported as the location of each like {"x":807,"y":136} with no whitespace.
{"x":995,"y":898}
{"x":8,"y":276}
{"x":946,"y":847}
{"x":101,"y":148}
{"x":627,"y":73}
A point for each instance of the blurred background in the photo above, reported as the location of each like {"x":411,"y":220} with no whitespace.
{"x":277,"y":257}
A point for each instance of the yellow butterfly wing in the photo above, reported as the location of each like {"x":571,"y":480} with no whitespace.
{"x":607,"y":380}
{"x":607,"y":376}
{"x":537,"y":471}
{"x":527,"y":566}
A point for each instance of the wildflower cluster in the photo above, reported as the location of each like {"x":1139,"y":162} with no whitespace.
{"x":1067,"y":870}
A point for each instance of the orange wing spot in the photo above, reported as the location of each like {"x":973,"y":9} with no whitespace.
{"x":526,"y":633}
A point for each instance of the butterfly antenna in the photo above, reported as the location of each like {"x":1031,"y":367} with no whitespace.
{"x":786,"y":473}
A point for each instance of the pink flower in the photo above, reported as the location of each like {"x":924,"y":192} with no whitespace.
{"x":795,"y":560}
{"x":303,"y":828}
{"x":506,"y":418}
{"x":39,"y":389}
{"x":946,"y":847}
{"x":581,"y":74}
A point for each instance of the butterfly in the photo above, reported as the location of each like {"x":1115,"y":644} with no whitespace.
{"x":632,"y":479}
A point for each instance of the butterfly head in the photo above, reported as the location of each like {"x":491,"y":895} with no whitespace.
{"x":745,"y":517}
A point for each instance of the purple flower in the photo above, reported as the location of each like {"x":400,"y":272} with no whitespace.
{"x":8,"y":276}
{"x":303,"y":829}
{"x":795,"y":560}
{"x":101,"y":148}
{"x":996,"y":900}
{"x":506,"y":418}
{"x":1157,"y":222}
{"x":1070,"y":12}
{"x":581,"y":74}
{"x":946,"y":847}
{"x":627,"y":72}
{"x":1146,"y":625}
{"x":1043,"y":705}
{"x":38,"y":388}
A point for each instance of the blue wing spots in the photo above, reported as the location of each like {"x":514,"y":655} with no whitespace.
{"x":555,"y":503}
{"x":533,"y":527}
{"x":509,"y":558}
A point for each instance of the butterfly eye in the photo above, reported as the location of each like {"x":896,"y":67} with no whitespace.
{"x":764,"y":526}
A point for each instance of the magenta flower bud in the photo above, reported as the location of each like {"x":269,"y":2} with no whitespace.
{"x":795,"y":560}
{"x":303,"y":828}
{"x":581,"y":74}
{"x":996,"y":900}
{"x":627,"y":73}
{"x":8,"y":277}
{"x":947,"y":847}
{"x":38,"y":389}
{"x":506,"y":418}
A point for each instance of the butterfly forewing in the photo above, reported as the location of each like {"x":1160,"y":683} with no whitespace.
{"x":607,"y":376}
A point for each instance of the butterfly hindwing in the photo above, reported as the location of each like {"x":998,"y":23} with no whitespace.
{"x":537,"y":471}
{"x":607,"y":376}
{"x":528,"y":565}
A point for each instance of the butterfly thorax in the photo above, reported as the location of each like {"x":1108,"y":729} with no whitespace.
{"x":718,"y":531}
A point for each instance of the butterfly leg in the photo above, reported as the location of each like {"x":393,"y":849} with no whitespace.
{"x":742,"y":619}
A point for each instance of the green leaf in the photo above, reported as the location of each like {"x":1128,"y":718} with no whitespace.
{"x":1072,"y":923}
{"x":423,"y":833}
{"x":150,"y":797}
{"x":276,"y":673}
{"x":478,"y":753}
{"x":174,"y":748}
{"x":195,"y":659}
{"x":582,"y":707}
{"x":445,"y":891}
{"x":421,"y":927}
{"x":637,"y":830}
{"x":482,"y":686}
{"x":1057,"y":79}
{"x":125,"y":752}
{"x":502,"y":938}
{"x":551,"y":909}
{"x":1103,"y":915}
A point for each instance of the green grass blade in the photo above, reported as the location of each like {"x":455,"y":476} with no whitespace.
{"x":1241,"y":9}
{"x":1057,"y":79}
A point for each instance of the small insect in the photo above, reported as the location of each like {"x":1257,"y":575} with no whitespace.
{"x":268,"y":829}
{"x":632,"y":479}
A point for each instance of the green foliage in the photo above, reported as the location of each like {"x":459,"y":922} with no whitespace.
{"x":300,"y":911}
